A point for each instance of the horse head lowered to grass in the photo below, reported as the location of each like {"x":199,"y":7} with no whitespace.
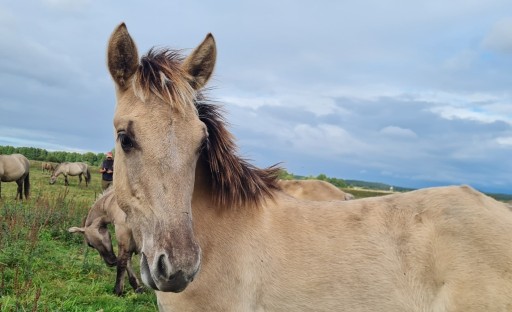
{"x":72,"y":169}
{"x":217,"y":234}
{"x":103,"y":212}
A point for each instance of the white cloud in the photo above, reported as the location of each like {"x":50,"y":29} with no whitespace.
{"x":250,"y":102}
{"x":317,"y":104}
{"x":325,"y":139}
{"x":468,"y":113}
{"x":398,"y":132}
{"x":505,"y":141}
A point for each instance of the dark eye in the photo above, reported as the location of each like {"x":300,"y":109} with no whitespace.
{"x":126,"y":142}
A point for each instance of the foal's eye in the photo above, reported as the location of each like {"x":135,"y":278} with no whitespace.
{"x":126,"y":142}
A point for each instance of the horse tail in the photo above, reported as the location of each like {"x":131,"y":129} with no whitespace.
{"x":26,"y":185}
{"x":87,"y":176}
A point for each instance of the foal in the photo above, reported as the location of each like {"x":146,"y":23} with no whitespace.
{"x":103,"y":212}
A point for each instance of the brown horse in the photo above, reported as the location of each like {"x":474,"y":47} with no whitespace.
{"x":15,"y":168}
{"x":102,"y":213}
{"x":313,"y":190}
{"x":47,"y":166}
{"x":217,"y":234}
{"x":72,"y":169}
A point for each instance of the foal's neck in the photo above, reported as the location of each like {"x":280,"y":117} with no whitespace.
{"x":101,"y":209}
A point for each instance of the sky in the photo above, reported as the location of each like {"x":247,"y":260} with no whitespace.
{"x":405,"y":92}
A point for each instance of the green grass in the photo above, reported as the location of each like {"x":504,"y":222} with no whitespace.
{"x":362,"y":193}
{"x":45,"y":268}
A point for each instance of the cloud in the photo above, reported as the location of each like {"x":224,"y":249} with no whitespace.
{"x":398,"y":132}
{"x":504,"y":141}
{"x":462,"y":61}
{"x":499,"y":39}
{"x":470,"y":113}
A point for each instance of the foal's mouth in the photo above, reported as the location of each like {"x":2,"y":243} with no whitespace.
{"x":111,"y":263}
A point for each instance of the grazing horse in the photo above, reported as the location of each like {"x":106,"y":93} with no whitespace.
{"x":15,"y":167}
{"x":313,"y":190}
{"x":72,"y":169}
{"x":49,"y":167}
{"x":102,"y":213}
{"x":217,"y":234}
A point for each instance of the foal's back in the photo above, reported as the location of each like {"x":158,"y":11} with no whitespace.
{"x":443,"y":249}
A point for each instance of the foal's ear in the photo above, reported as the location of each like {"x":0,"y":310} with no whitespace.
{"x":122,"y":56}
{"x":200,"y":63}
{"x":75,"y":229}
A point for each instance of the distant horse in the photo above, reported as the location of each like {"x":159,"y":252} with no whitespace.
{"x":217,"y":234}
{"x":15,"y":167}
{"x":72,"y":169}
{"x":313,"y":190}
{"x":47,"y":166}
{"x":103,"y":212}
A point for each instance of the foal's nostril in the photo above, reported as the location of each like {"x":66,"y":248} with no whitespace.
{"x":177,"y":275}
{"x":161,"y":265}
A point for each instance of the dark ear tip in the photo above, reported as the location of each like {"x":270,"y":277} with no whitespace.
{"x":121,"y":26}
{"x":210,"y":37}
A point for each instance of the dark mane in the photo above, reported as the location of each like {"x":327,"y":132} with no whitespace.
{"x":235,"y":182}
{"x":160,"y":73}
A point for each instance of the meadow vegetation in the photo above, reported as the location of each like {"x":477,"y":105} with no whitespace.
{"x":45,"y":268}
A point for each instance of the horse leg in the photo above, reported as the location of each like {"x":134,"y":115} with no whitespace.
{"x":132,"y":277}
{"x":80,"y":179}
{"x":19,"y":192}
{"x":66,"y":182}
{"x":122,"y":261}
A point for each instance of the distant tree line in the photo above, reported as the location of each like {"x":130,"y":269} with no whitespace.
{"x":283,"y":174}
{"x":34,"y":153}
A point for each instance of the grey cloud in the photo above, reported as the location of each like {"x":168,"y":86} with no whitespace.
{"x":499,"y":39}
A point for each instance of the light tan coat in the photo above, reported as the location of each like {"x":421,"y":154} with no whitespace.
{"x":15,"y":168}
{"x":439,"y":249}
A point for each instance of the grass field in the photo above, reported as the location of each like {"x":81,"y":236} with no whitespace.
{"x":45,"y":268}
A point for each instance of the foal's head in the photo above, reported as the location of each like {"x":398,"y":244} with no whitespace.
{"x":95,"y":229}
{"x":158,"y":139}
{"x":97,"y":236}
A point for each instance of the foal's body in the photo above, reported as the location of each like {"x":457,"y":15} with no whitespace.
{"x":103,"y":212}
{"x":15,"y":168}
{"x":313,"y":190}
{"x":439,"y":249}
{"x":72,"y":169}
{"x":217,"y":234}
